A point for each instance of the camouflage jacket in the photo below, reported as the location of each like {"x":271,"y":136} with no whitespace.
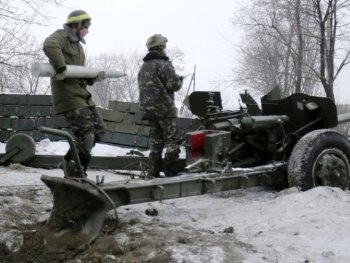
{"x":158,"y":81}
{"x":63,"y":48}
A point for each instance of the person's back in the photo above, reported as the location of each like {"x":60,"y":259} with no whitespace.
{"x":158,"y":81}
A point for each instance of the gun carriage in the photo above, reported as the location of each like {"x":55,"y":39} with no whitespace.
{"x":286,"y":142}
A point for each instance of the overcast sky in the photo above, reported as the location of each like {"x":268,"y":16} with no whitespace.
{"x":201,"y":29}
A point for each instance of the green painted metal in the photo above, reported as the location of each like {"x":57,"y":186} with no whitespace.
{"x":23,"y":124}
{"x":83,"y":203}
{"x":20,"y":148}
{"x":115,"y":116}
{"x":130,"y":128}
{"x":124,"y":127}
{"x":25,"y":99}
{"x":126,"y":139}
{"x":122,"y":106}
{"x":56,"y":121}
{"x":131,"y":163}
{"x":77,"y":215}
{"x":26,"y":146}
{"x":25,"y":110}
{"x":5,"y":123}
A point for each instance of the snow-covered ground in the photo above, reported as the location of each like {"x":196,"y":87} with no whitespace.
{"x":248,"y":225}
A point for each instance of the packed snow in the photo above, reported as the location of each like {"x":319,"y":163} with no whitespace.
{"x":247,"y":225}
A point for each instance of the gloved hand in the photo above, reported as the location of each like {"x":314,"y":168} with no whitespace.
{"x":61,"y":73}
{"x":181,"y":79}
{"x":90,"y":82}
{"x":101,"y":76}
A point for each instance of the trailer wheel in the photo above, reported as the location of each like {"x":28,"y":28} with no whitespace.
{"x":320,"y":158}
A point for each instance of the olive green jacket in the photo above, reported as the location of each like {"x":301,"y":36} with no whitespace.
{"x":63,"y":48}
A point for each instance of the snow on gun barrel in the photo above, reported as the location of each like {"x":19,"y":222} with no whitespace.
{"x":40,"y":69}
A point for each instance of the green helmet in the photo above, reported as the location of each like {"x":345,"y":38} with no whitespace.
{"x":79,"y":17}
{"x":156,"y":40}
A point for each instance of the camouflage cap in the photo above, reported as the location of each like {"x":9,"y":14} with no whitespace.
{"x":156,"y":40}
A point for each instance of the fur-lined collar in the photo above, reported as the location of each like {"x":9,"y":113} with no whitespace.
{"x":72,"y":36}
{"x":155,"y":54}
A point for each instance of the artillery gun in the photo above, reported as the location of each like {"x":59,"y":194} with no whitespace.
{"x":288,"y":142}
{"x":295,"y":130}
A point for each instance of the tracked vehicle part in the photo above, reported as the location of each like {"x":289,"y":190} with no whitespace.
{"x":20,"y":148}
{"x":320,"y":158}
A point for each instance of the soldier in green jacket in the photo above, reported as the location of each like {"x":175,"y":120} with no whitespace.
{"x":158,"y":81}
{"x":70,"y":96}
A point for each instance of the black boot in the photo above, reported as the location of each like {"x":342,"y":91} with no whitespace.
{"x":156,"y":164}
{"x":67,"y":165}
{"x":172,"y":165}
{"x":68,"y":156}
{"x":85,"y":161}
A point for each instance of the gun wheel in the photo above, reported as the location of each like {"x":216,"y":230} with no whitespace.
{"x":320,"y":158}
{"x":25,"y":145}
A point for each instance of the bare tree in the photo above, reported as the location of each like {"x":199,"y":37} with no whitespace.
{"x":275,"y":49}
{"x":325,"y":13}
{"x":125,"y":88}
{"x":291,"y":43}
{"x":121,"y":89}
{"x":16,"y":42}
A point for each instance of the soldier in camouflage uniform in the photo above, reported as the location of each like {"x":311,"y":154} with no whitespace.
{"x":70,"y":96}
{"x":158,"y":81}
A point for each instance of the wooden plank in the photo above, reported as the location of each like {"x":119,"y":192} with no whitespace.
{"x":5,"y":123}
{"x":25,"y":99}
{"x":8,"y":110}
{"x":34,"y":111}
{"x":23,"y":124}
{"x":4,"y":135}
{"x":38,"y":136}
{"x":24,"y":110}
{"x":124,"y":139}
{"x":139,"y":120}
{"x":127,"y":128}
{"x":115,"y":116}
{"x":55,"y":121}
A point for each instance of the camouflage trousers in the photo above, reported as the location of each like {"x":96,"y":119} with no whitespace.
{"x":88,"y":128}
{"x":165,"y":134}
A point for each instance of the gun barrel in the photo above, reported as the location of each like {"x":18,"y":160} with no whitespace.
{"x":344,"y":117}
{"x":264,"y":122}
{"x":251,"y":122}
{"x":40,"y":69}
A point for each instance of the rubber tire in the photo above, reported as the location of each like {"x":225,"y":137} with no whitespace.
{"x":306,"y":152}
{"x":28,"y":147}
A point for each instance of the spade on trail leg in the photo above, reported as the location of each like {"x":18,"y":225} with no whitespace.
{"x":79,"y":206}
